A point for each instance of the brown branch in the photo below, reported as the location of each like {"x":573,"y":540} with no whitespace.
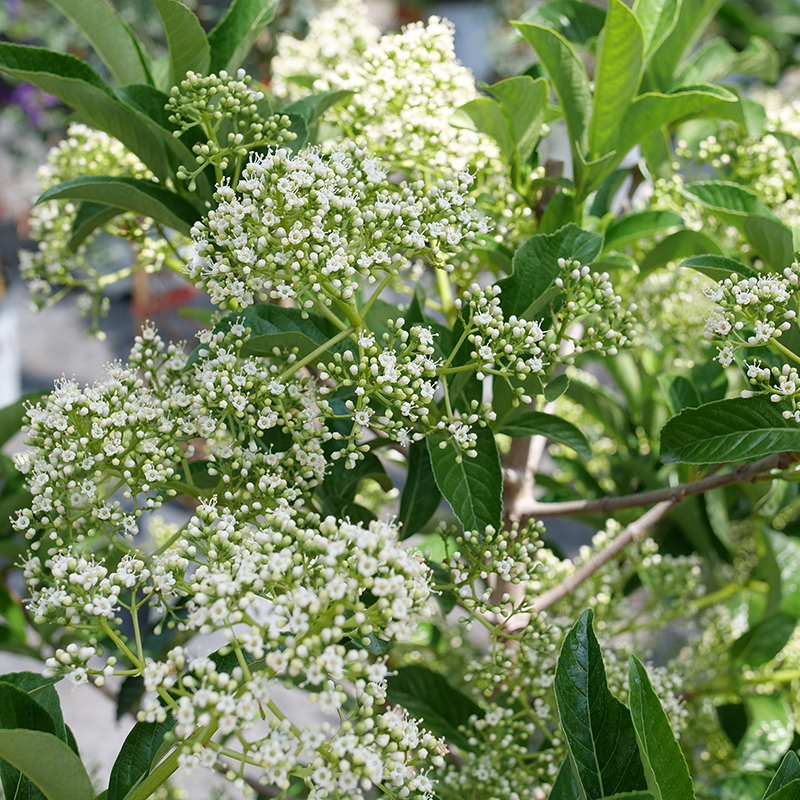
{"x":744,"y":473}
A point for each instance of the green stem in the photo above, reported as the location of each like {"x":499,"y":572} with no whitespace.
{"x":446,"y":293}
{"x":785,"y":350}
{"x":109,"y":631}
{"x":381,"y":286}
{"x":292,"y":368}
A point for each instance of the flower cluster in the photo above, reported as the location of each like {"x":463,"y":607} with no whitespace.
{"x":206,"y":101}
{"x":60,"y":263}
{"x":306,"y":226}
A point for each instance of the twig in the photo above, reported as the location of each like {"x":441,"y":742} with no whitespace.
{"x":744,"y":473}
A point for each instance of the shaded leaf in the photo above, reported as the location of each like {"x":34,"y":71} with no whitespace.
{"x":136,"y":756}
{"x":676,"y":246}
{"x":233,"y":38}
{"x":537,"y":423}
{"x":576,"y":20}
{"x":788,"y":771}
{"x":558,"y":386}
{"x":12,"y":416}
{"x":88,"y":218}
{"x":564,"y":786}
{"x":764,"y":640}
{"x":421,"y":495}
{"x":636,"y":226}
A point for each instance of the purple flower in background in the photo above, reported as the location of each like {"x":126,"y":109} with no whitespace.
{"x":31,"y":100}
{"x":12,"y":8}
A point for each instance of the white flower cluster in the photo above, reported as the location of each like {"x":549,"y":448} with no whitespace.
{"x":53,"y":268}
{"x":307,"y":225}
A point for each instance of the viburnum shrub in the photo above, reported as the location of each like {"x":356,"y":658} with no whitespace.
{"x":428,"y":340}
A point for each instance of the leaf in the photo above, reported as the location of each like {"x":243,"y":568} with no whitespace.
{"x":719,"y":267}
{"x":233,"y":38}
{"x":788,"y":771}
{"x":486,"y":115}
{"x":676,"y":246}
{"x":132,"y":194}
{"x":732,"y":199}
{"x":77,"y":85}
{"x":577,"y":21}
{"x":12,"y":416}
{"x":558,"y":386}
{"x":536,"y":267}
{"x":632,"y":227}
{"x":564,"y":786}
{"x":311,"y":108}
{"x":537,"y":423}
{"x":525,"y":100}
{"x":428,"y":696}
{"x":188,"y":46}
{"x":618,"y":72}
{"x":344,"y":483}
{"x":42,"y":691}
{"x":665,"y":767}
{"x":772,"y":240}
{"x":657,"y":18}
{"x":736,"y":429}
{"x":472,"y":486}
{"x":568,"y":77}
{"x":136,"y":756}
{"x":598,"y":728}
{"x":764,"y":640}
{"x":49,"y":763}
{"x":110,"y":37}
{"x":791,"y":791}
{"x":769,"y":733}
{"x":89,"y":217}
{"x":421,"y":495}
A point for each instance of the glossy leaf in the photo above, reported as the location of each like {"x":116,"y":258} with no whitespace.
{"x":577,"y":21}
{"x":88,"y":218}
{"x":665,"y":767}
{"x":188,"y":46}
{"x":791,"y":791}
{"x":788,"y":771}
{"x":598,"y":728}
{"x":131,"y":194}
{"x":233,"y":38}
{"x":618,"y":71}
{"x":769,"y":733}
{"x":736,"y":429}
{"x":49,"y":763}
{"x":537,"y":423}
{"x":77,"y":85}
{"x":719,"y":267}
{"x":472,"y":486}
{"x":764,"y":640}
{"x":110,"y":37}
{"x":421,"y":495}
{"x":632,"y":227}
{"x":136,"y":756}
{"x":428,"y":696}
{"x":657,"y":18}
{"x":536,"y":267}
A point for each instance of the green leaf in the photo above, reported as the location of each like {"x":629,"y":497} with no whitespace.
{"x":525,"y":100}
{"x":344,"y":483}
{"x":791,"y":791}
{"x":472,"y":486}
{"x":617,"y":75}
{"x":577,"y":21}
{"x":49,"y":763}
{"x":711,"y":61}
{"x":564,"y":786}
{"x":188,"y":46}
{"x":428,"y":696}
{"x":421,"y":495}
{"x":772,"y":240}
{"x":693,"y":18}
{"x":598,"y":728}
{"x":12,"y":417}
{"x":730,"y":199}
{"x":536,"y":267}
{"x":15,"y":629}
{"x":664,"y":765}
{"x":110,"y":37}
{"x":632,"y":227}
{"x":42,"y":691}
{"x":311,"y":108}
{"x":657,"y":18}
{"x":132,"y":194}
{"x":736,"y":429}
{"x":788,"y":771}
{"x":568,"y":77}
{"x":89,"y":217}
{"x":764,"y":640}
{"x":676,"y":246}
{"x":719,"y":267}
{"x":233,"y":38}
{"x":537,"y":423}
{"x":80,"y":87}
{"x":486,"y":115}
{"x":136,"y":756}
{"x":769,"y":733}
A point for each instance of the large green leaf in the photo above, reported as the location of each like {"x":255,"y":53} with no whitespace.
{"x":627,"y":229}
{"x":80,"y":87}
{"x":188,"y":46}
{"x":525,"y":99}
{"x":428,"y":696}
{"x":772,"y":240}
{"x":676,"y":246}
{"x":598,"y":728}
{"x":617,"y":74}
{"x":232,"y":39}
{"x":577,"y":21}
{"x":472,"y":486}
{"x":665,"y":767}
{"x":731,"y":199}
{"x":537,"y":423}
{"x":736,"y":429}
{"x":791,"y":791}
{"x":769,"y":732}
{"x":568,"y":78}
{"x":564,"y":786}
{"x":657,"y":18}
{"x":136,"y":756}
{"x":88,"y":218}
{"x":486,"y":115}
{"x":110,"y":37}
{"x":764,"y":640}
{"x":49,"y":763}
{"x":421,"y":495}
{"x":788,"y":771}
{"x":536,"y":267}
{"x":311,"y":108}
{"x":719,"y":267}
{"x":132,"y":194}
